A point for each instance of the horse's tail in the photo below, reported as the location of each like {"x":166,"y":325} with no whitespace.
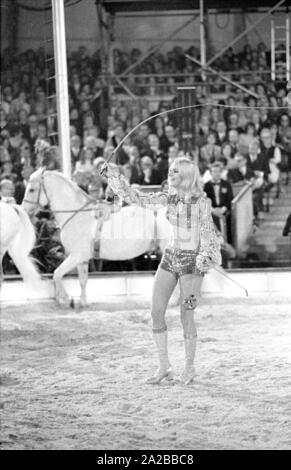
{"x":21,"y":246}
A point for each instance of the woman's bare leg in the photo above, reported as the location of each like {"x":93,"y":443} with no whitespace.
{"x":190,"y":285}
{"x":164,"y":284}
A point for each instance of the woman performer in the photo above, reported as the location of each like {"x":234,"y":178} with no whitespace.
{"x":192,"y":248}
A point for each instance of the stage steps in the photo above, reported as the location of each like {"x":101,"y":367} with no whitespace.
{"x":267,"y":245}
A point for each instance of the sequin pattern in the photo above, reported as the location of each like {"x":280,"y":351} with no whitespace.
{"x":180,"y":262}
{"x":190,"y":215}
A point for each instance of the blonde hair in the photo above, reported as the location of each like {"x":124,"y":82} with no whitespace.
{"x":191,"y":184}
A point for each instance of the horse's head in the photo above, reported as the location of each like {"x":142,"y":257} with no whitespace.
{"x":35,"y":193}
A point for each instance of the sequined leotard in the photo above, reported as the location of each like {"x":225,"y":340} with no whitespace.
{"x":192,"y":229}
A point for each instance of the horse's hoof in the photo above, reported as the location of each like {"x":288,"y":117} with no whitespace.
{"x":72,"y":303}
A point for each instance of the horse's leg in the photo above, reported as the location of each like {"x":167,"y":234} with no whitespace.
{"x":83,"y":279}
{"x":67,"y":265}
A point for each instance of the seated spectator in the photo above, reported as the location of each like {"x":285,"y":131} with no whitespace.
{"x":242,"y":172}
{"x":256,"y":120}
{"x":246,"y":138}
{"x":7,"y":189}
{"x":89,"y":127}
{"x":98,"y":183}
{"x":256,"y":161}
{"x":220,"y":193}
{"x":75,"y":148}
{"x":264,"y":114}
{"x":168,"y":139}
{"x":20,"y":103}
{"x":259,"y":165}
{"x":226,"y":152}
{"x":40,"y":147}
{"x":284,"y":123}
{"x":149,"y":175}
{"x":26,"y":170}
{"x":215,"y":118}
{"x":127,"y":171}
{"x":158,"y":127}
{"x":165,"y":161}
{"x":7,"y":171}
{"x":51,"y":158}
{"x":203,"y":130}
{"x":134,"y":162}
{"x":276,"y":139}
{"x":75,"y":120}
{"x":23,"y":123}
{"x":85,"y":163}
{"x":140,"y":139}
{"x":121,"y":156}
{"x":286,"y":150}
{"x":154,"y":147}
{"x":32,"y":131}
{"x":4,"y":155}
{"x":233,"y":121}
{"x":40,"y":112}
{"x":42,"y":132}
{"x":221,"y":132}
{"x":209,"y":152}
{"x":233,"y":138}
{"x":272,"y":154}
{"x":15,"y":141}
{"x":3,"y":119}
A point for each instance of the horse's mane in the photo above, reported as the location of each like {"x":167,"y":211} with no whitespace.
{"x":72,"y":184}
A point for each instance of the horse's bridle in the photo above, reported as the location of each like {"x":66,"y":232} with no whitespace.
{"x":72,"y":211}
{"x":41,"y":187}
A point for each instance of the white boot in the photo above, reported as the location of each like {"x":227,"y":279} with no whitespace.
{"x":190,"y":349}
{"x":165,"y":369}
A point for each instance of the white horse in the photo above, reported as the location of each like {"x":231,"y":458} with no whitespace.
{"x":17,"y":236}
{"x":123,"y":235}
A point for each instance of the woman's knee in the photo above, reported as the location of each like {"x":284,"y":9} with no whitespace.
{"x":189,"y":302}
{"x":188,"y":306}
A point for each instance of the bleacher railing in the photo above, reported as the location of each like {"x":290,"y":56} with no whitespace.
{"x":159,"y":84}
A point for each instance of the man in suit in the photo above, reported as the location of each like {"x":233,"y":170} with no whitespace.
{"x":220,"y":193}
{"x":233,"y":138}
{"x":221,"y":130}
{"x":149,"y":175}
{"x":242,"y":172}
{"x":256,"y":161}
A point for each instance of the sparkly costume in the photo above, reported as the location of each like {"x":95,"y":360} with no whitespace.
{"x":193,"y":245}
{"x":193,"y":237}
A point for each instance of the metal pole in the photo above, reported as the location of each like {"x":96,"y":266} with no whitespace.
{"x":110,"y":59}
{"x":62,"y":84}
{"x":202,"y":40}
{"x":273,"y":47}
{"x":235,"y":40}
{"x":288,"y":72}
{"x":255,"y":29}
{"x":228,"y":80}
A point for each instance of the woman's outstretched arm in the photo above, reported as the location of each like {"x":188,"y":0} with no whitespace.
{"x":123,"y":189}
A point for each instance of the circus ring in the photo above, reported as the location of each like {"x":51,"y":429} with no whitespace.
{"x":74,"y":379}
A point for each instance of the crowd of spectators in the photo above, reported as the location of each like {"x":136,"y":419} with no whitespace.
{"x":241,"y":138}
